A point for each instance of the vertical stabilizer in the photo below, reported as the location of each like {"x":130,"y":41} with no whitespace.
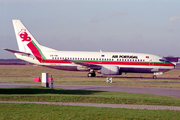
{"x":23,"y":36}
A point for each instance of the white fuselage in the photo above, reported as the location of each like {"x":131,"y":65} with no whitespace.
{"x":127,"y":62}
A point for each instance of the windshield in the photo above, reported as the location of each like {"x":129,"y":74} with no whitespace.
{"x":163,"y":60}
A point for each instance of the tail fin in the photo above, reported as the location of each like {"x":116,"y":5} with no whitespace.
{"x":27,"y":43}
{"x":23,"y":36}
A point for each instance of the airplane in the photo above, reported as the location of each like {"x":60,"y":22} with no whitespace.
{"x":106,"y":63}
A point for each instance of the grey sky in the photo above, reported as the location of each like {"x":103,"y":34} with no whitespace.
{"x":143,"y":26}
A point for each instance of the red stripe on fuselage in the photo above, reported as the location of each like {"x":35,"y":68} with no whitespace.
{"x":132,"y":63}
{"x":115,"y":63}
{"x":57,"y":61}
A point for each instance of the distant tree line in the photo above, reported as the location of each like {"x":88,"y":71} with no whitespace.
{"x":172,"y":59}
{"x":12,"y":62}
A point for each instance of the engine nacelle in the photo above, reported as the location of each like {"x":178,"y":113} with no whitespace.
{"x":110,"y":70}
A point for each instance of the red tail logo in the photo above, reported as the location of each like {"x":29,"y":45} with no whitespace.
{"x":24,"y":35}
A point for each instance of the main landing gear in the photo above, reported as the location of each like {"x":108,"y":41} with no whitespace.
{"x":91,"y":73}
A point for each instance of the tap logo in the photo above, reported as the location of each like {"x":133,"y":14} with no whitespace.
{"x":24,"y":35}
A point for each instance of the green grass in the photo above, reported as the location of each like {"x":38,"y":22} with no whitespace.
{"x":26,"y":74}
{"x":56,"y":112}
{"x":83,"y":96}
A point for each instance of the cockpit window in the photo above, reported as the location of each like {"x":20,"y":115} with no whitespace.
{"x":163,"y":60}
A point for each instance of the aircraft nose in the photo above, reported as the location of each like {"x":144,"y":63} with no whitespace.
{"x":174,"y":66}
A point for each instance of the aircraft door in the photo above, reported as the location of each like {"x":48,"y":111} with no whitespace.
{"x":151,"y":63}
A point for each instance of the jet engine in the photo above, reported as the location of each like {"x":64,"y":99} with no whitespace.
{"x":110,"y":70}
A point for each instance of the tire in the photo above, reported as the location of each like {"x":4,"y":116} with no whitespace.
{"x":93,"y":74}
{"x":89,"y":75}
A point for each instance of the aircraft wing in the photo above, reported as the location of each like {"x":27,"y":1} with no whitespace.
{"x":15,"y":51}
{"x":89,"y":65}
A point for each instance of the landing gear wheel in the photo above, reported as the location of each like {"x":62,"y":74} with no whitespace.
{"x":154,"y":77}
{"x":91,"y":74}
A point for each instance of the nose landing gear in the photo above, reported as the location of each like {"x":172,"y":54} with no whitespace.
{"x":154,"y":77}
{"x":157,"y":73}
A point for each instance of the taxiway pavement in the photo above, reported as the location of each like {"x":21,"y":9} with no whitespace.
{"x":143,"y":90}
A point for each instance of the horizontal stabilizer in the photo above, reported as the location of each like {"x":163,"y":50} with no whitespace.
{"x":15,"y":51}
